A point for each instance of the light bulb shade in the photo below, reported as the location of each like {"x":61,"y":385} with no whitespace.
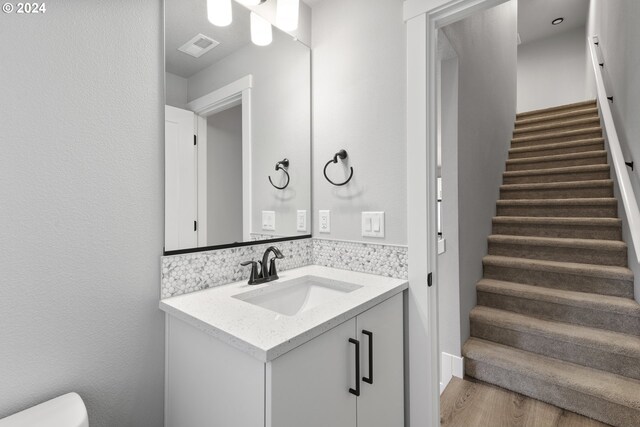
{"x":261,"y":33}
{"x":287,"y":14}
{"x":219,"y":12}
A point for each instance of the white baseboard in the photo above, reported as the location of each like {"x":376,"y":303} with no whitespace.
{"x":450,"y":366}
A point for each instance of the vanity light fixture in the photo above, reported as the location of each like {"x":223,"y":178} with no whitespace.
{"x":557,"y":21}
{"x":287,"y":14}
{"x":219,"y":12}
{"x":261,"y":32}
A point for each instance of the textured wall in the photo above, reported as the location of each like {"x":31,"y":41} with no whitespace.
{"x":81,"y":213}
{"x":359,"y":85}
{"x":616,"y":25}
{"x":551,"y":71}
{"x":487,"y":53}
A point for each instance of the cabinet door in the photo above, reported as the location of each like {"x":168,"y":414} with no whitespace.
{"x":309,"y":386}
{"x":381,"y":404}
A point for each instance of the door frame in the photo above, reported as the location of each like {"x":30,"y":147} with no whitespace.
{"x":423,"y":18}
{"x":235,"y":93}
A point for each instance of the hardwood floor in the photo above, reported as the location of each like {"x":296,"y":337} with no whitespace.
{"x":473,"y":404}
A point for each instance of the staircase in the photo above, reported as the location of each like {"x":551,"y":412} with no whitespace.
{"x":556,"y":319}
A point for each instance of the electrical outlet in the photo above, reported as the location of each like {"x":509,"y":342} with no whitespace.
{"x":325,"y":221}
{"x":301,"y":221}
{"x":268,"y":220}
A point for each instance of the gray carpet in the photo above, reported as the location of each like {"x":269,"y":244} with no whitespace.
{"x":556,"y":319}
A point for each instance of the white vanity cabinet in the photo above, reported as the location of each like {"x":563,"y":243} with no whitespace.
{"x":210,"y":383}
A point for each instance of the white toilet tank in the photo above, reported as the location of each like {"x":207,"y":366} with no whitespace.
{"x":63,"y":411}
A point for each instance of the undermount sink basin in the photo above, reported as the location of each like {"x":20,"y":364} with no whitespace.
{"x":297,"y":295}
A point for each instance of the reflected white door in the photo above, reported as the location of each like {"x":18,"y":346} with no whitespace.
{"x":180,"y":182}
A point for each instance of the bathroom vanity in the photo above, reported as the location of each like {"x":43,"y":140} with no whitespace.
{"x":319,"y":347}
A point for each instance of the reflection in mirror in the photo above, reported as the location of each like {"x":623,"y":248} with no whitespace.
{"x":237,"y":131}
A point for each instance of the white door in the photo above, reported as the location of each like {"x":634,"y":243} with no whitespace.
{"x":309,"y":386}
{"x":380,"y":331}
{"x":180,"y":182}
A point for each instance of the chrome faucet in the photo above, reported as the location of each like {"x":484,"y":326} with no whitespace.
{"x":266,"y":274}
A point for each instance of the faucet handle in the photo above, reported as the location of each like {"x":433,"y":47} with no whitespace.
{"x":273,"y":273}
{"x":253,"y":276}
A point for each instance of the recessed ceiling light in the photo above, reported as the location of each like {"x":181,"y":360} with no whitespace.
{"x":557,"y":21}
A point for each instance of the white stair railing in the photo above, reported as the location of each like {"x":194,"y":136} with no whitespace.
{"x":611,"y":136}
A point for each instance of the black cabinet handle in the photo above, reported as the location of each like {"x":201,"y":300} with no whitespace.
{"x":369,"y":380}
{"x":357,"y":389}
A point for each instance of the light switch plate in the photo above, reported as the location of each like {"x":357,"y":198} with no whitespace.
{"x":301,"y":221}
{"x":373,"y":224}
{"x":324,"y":221}
{"x":269,"y":220}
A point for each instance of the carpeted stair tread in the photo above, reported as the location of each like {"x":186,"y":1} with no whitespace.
{"x":594,"y":222}
{"x":593,"y":302}
{"x":597,"y":348}
{"x":557,"y":134}
{"x":558,"y":157}
{"x":558,"y":174}
{"x":567,"y":145}
{"x":604,"y":396}
{"x":605,"y":207}
{"x":569,"y":115}
{"x":604,"y":245}
{"x":560,"y":108}
{"x":546,"y":127}
{"x":573,"y":268}
{"x":602,"y":201}
{"x":567,"y":184}
{"x":558,"y":190}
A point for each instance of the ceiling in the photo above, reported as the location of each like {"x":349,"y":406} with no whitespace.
{"x":535,"y":16}
{"x":184,"y":19}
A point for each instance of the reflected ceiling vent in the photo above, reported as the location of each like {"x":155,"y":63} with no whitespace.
{"x":198,"y":46}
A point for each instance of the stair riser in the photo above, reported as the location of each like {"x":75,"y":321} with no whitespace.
{"x":522,"y":166}
{"x":562,"y":254}
{"x":552,"y":140}
{"x":560,"y":396}
{"x":556,"y":347}
{"x":558,"y":193}
{"x":546,"y":128}
{"x":555,"y":120}
{"x":566,"y":281}
{"x":555,"y":112}
{"x":595,"y":146}
{"x":560,"y":211}
{"x":558,"y":177}
{"x":563,"y":230}
{"x":589,"y":317}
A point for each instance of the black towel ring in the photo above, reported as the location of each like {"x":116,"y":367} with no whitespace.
{"x":282,"y":165}
{"x":342,"y":154}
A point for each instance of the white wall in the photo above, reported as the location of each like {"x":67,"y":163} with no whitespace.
{"x":176,"y":91}
{"x":448,"y":262}
{"x":616,"y":25}
{"x":224,"y":183}
{"x":281,"y":122}
{"x":82,"y":209}
{"x":487,"y":53}
{"x":551,"y":71}
{"x":359,"y":84}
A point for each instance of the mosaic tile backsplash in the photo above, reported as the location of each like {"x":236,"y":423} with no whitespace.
{"x":183,"y":274}
{"x":383,"y":260}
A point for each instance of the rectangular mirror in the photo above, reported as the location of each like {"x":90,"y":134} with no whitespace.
{"x":237,"y":131}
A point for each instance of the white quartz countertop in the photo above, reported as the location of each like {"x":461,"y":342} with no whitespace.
{"x":265,"y":334}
